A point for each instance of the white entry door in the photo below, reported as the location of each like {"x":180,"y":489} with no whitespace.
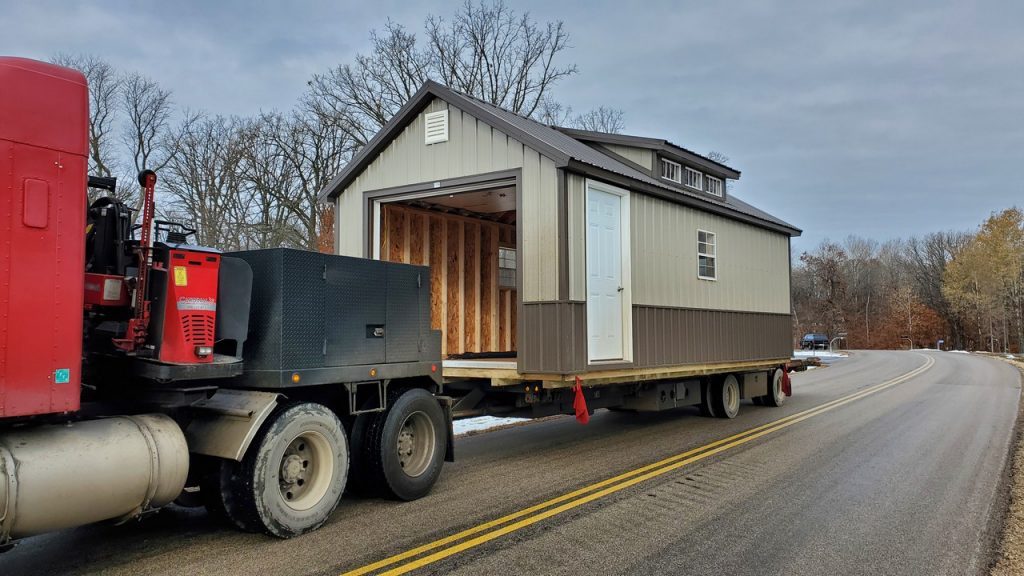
{"x":607,"y":274}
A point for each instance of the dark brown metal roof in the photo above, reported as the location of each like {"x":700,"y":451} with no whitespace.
{"x":557,"y":144}
{"x":653,"y":144}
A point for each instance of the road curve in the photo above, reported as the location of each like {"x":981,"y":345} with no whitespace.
{"x":895,"y":474}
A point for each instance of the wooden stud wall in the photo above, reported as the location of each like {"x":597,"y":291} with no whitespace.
{"x":466,"y":304}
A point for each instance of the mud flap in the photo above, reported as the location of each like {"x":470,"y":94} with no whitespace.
{"x":446,"y":405}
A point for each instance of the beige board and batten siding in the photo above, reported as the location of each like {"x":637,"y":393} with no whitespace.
{"x":473,"y":148}
{"x":642,"y":156}
{"x":752,"y":262}
{"x":679,"y":318}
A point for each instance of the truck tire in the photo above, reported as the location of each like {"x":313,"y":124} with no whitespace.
{"x":775,"y":397}
{"x":218,"y":490}
{"x":399,"y":452}
{"x":725,"y":397}
{"x":293,"y":476}
{"x":706,"y":405}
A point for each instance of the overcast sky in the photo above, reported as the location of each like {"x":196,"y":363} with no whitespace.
{"x":882,"y":119}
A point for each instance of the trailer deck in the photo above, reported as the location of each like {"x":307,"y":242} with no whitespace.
{"x":503,"y":372}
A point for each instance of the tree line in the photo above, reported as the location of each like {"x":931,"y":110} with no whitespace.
{"x":247,"y":182}
{"x":963,"y":288}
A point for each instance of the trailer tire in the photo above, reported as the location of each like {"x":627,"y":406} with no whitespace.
{"x":293,"y":476}
{"x":705,"y":405}
{"x":775,"y":397}
{"x":725,"y":397}
{"x":400,"y":452}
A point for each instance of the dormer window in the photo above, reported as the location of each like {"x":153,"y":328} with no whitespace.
{"x":671,"y":171}
{"x":714,"y":186}
{"x":694,"y":179}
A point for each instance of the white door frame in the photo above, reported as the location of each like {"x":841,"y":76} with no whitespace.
{"x":627,"y":275}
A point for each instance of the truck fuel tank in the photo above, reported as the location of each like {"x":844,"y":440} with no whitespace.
{"x":59,"y":476}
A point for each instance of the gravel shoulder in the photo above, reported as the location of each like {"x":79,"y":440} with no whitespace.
{"x":1009,"y":560}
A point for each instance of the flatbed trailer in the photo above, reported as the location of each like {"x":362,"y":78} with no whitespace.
{"x":495,"y":387}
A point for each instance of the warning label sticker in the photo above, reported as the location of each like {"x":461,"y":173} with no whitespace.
{"x":180,"y":276}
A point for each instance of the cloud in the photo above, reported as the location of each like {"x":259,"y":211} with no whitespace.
{"x":877,"y":118}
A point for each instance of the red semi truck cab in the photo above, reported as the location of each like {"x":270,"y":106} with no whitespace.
{"x":44,"y":123}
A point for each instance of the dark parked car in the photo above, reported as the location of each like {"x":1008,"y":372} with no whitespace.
{"x":814,"y":342}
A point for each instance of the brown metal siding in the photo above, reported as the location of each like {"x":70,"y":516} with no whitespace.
{"x":672,"y":336}
{"x":554,"y":337}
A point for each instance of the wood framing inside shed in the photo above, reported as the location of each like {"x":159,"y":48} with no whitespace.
{"x":462,"y":237}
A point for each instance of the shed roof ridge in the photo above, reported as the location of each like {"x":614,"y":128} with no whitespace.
{"x":547,"y":139}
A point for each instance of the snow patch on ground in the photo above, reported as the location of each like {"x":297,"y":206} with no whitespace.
{"x":481,"y":423}
{"x":818,"y":354}
{"x":959,"y":351}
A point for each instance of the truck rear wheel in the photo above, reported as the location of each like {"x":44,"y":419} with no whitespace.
{"x":293,"y":475}
{"x":725,"y":397}
{"x":220,"y":494}
{"x":775,"y":397}
{"x":399,"y":452}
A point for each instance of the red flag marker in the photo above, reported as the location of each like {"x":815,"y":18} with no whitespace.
{"x":787,"y":387}
{"x":580,"y":403}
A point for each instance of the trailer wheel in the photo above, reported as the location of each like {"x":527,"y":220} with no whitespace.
{"x":775,"y":397}
{"x":707,"y":406}
{"x":725,"y":397}
{"x":293,"y":476}
{"x":400,"y":451}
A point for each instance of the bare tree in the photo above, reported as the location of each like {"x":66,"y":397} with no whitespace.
{"x":205,"y":182}
{"x":600,"y":119}
{"x":309,"y":152}
{"x":147,"y":130}
{"x":104,"y":88}
{"x":926,"y":260}
{"x":717,"y":156}
{"x":489,"y":51}
{"x":267,"y":177}
{"x":486,"y":50}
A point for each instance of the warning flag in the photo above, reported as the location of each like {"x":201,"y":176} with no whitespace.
{"x":787,"y":387}
{"x":580,"y":403}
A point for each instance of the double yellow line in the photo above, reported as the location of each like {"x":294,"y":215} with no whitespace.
{"x":482,"y":533}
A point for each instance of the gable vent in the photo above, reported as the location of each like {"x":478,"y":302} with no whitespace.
{"x":436,"y":127}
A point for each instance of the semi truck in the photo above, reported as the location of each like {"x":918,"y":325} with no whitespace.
{"x":139,"y":370}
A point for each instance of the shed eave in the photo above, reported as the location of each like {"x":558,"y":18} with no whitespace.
{"x":681,"y":198}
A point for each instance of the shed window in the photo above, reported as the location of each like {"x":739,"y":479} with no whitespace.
{"x":714,"y":185}
{"x":707,"y":265}
{"x":671,"y":170}
{"x":694,"y":179}
{"x":506,"y":267}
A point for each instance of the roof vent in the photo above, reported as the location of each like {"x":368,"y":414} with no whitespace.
{"x":436,"y":127}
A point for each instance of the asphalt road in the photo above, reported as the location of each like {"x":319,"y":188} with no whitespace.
{"x":903,"y":478}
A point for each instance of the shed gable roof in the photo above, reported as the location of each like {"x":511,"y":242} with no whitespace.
{"x":556,"y":143}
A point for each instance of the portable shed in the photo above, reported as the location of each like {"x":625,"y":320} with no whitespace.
{"x":557,"y":252}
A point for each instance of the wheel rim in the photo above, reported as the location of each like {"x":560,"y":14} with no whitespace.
{"x":306,"y":470}
{"x":777,"y":390}
{"x":732,"y":396}
{"x":416,"y":444}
